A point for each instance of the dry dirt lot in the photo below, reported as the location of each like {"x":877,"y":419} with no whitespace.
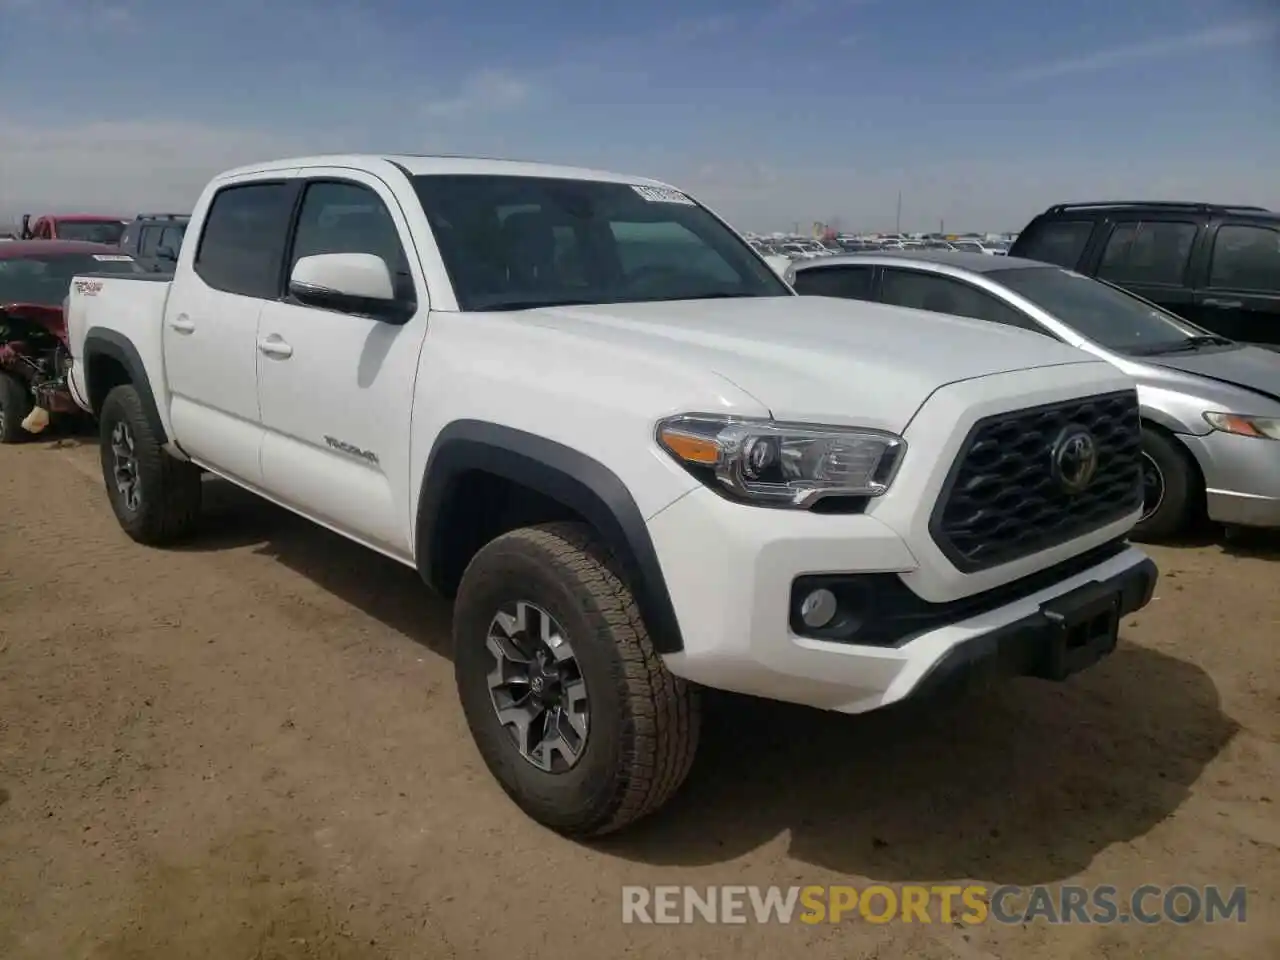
{"x":251,"y":748}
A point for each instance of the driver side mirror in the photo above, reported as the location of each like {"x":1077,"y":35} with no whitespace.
{"x":349,"y":282}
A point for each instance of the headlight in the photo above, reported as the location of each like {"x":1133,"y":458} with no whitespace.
{"x":783,"y":464}
{"x":1267,"y":428}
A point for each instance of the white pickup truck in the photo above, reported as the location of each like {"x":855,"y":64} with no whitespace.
{"x":584,"y":407}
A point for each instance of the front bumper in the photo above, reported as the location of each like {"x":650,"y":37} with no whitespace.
{"x":731,"y":571}
{"x":1241,"y":476}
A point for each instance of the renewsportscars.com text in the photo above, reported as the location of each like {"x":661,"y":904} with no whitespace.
{"x":939,"y":903}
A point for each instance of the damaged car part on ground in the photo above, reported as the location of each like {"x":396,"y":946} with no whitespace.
{"x":35,"y":278}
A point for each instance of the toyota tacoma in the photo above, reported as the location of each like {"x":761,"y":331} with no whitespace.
{"x":584,"y":408}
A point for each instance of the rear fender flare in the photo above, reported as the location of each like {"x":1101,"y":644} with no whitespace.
{"x":99,"y":342}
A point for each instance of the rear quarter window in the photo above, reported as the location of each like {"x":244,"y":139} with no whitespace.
{"x":1060,"y":242}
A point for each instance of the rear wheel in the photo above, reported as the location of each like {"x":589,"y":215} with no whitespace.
{"x":1171,"y":494}
{"x":15,"y":404}
{"x":155,"y":496}
{"x":568,"y":702}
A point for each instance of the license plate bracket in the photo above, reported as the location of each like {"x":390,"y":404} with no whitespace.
{"x":1084,"y":626}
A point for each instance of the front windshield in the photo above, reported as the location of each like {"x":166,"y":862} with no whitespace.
{"x":45,"y":278}
{"x":1098,"y":312}
{"x":523,"y":242}
{"x":91,"y":231}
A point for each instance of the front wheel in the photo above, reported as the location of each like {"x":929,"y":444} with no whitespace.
{"x":155,"y":497}
{"x":569,"y":704}
{"x":1170,"y":488}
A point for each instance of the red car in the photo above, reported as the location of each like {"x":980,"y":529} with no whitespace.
{"x":87,"y":227}
{"x":35,"y":280}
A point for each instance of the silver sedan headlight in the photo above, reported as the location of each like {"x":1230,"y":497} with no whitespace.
{"x":782,"y":464}
{"x":1267,"y":428}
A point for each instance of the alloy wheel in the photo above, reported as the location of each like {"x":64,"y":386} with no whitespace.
{"x":536,"y":687}
{"x":125,"y":466}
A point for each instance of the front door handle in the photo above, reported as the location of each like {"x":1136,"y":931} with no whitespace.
{"x":183,"y":324}
{"x":273,"y":346}
{"x":1223,"y":304}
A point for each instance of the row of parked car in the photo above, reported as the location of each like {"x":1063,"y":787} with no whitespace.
{"x":644,"y":461}
{"x":796,"y":248}
{"x":153,"y":239}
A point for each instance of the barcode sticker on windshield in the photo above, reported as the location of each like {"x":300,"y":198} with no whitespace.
{"x":112,"y":258}
{"x":661,"y":195}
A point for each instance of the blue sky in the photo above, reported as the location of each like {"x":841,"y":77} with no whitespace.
{"x":773,"y":111}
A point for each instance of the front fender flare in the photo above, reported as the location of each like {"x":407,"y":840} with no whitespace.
{"x":562,"y":474}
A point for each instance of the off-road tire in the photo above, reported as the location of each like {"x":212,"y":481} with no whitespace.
{"x":15,"y":404}
{"x":1182,"y":505}
{"x":644,"y":721}
{"x":169,"y":488}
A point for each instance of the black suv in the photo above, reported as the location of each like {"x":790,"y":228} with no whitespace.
{"x":1218,"y":266}
{"x":154,"y":239}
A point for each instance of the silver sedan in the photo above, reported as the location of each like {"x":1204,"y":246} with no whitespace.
{"x":1210,"y":406}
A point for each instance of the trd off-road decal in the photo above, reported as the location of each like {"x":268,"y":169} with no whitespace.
{"x":349,"y":448}
{"x":88,"y":288}
{"x":662,"y":195}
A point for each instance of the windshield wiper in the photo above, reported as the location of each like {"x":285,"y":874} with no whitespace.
{"x":1209,"y":340}
{"x":711,"y":295}
{"x":535,"y":304}
{"x":1184,"y":346}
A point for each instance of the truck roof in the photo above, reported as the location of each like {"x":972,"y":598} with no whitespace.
{"x":416,"y":165}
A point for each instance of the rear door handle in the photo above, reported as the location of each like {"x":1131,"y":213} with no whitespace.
{"x":273,"y":346}
{"x":183,"y":324}
{"x":1223,"y":304}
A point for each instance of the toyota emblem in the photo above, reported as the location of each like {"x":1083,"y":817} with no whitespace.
{"x":1075,"y":459}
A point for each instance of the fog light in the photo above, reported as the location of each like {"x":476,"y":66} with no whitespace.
{"x":818,"y":609}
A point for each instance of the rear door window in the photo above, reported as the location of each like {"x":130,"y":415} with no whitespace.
{"x":938,"y":294}
{"x":851,"y":283}
{"x":1150,"y":251}
{"x":150,"y":242}
{"x":243,"y":240}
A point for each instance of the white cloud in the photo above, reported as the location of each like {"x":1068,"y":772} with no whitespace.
{"x":1223,"y":36}
{"x":124,"y":166}
{"x":489,"y":91}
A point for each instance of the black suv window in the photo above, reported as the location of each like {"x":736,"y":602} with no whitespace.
{"x":1056,"y":241}
{"x":938,"y":294}
{"x":243,"y":240}
{"x":171,"y":240}
{"x":852,"y":283}
{"x":150,"y":242}
{"x":1151,"y":251}
{"x":1246,"y":258}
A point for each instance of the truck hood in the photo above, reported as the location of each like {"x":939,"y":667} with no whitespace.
{"x":815,"y":358}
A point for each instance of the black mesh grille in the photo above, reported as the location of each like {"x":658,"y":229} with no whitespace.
{"x":1003,"y":500}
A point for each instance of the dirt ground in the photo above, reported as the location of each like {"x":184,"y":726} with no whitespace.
{"x":251,"y":749}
